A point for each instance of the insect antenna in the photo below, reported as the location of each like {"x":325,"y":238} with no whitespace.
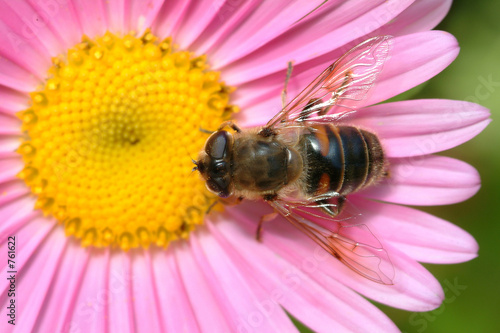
{"x":195,"y":167}
{"x":192,"y":160}
{"x":202,"y":130}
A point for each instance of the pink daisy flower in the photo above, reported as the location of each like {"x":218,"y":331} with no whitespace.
{"x":102,"y":103}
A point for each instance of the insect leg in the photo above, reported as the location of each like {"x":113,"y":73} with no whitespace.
{"x":266,"y":217}
{"x":268,"y":131}
{"x":229,"y":123}
{"x":211,"y":206}
{"x":330,"y":209}
{"x":231,"y":201}
{"x":284,"y":92}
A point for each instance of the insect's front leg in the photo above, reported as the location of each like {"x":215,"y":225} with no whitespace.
{"x":230,"y":124}
{"x":266,"y":217}
{"x":230,"y":201}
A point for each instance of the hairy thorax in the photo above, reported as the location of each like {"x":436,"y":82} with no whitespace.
{"x":264,"y":165}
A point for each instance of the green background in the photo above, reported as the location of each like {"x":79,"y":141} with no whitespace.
{"x":475,"y":306}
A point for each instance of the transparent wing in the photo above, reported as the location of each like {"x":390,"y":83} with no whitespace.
{"x":342,"y":85}
{"x":353,"y":244}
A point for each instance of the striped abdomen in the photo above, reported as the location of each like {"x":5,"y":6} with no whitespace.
{"x":343,"y":159}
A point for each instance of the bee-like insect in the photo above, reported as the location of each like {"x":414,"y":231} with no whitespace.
{"x":304,"y":163}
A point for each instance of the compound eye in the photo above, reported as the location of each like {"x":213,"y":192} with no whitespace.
{"x":217,"y":144}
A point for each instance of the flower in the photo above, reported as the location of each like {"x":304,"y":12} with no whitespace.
{"x":221,"y":279}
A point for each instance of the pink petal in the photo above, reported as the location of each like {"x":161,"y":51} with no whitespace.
{"x":414,"y":289}
{"x":33,"y":27}
{"x":9,"y":125}
{"x":415,"y":59}
{"x":117,"y":297}
{"x":347,"y":22}
{"x":422,"y":15}
{"x":145,"y":294}
{"x":143,"y":14}
{"x":237,"y":293}
{"x":62,"y":19}
{"x":19,"y":50}
{"x":292,"y":287}
{"x":14,"y":76}
{"x":10,"y":167}
{"x":208,"y":312}
{"x":419,"y":235}
{"x":421,"y":127}
{"x":229,"y":17}
{"x":175,"y":306}
{"x":10,"y":191}
{"x":8,"y":146}
{"x":267,"y":22}
{"x":12,"y":101}
{"x":16,"y":210}
{"x":427,"y":181}
{"x":34,"y":234}
{"x":170,"y":17}
{"x":117,"y":16}
{"x":95,"y":295}
{"x":197,"y":18}
{"x":60,"y":302}
{"x":36,"y":279}
{"x":92,"y":17}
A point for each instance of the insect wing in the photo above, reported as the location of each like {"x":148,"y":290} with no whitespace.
{"x":368,"y":258}
{"x":343,"y":84}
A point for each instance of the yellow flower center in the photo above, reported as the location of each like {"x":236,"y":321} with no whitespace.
{"x":110,"y":135}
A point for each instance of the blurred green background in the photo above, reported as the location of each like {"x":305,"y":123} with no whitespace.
{"x":476,"y":306}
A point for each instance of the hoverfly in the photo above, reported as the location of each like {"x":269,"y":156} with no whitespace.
{"x":304,"y":163}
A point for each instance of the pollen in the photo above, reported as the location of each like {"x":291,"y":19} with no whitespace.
{"x":109,"y":139}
